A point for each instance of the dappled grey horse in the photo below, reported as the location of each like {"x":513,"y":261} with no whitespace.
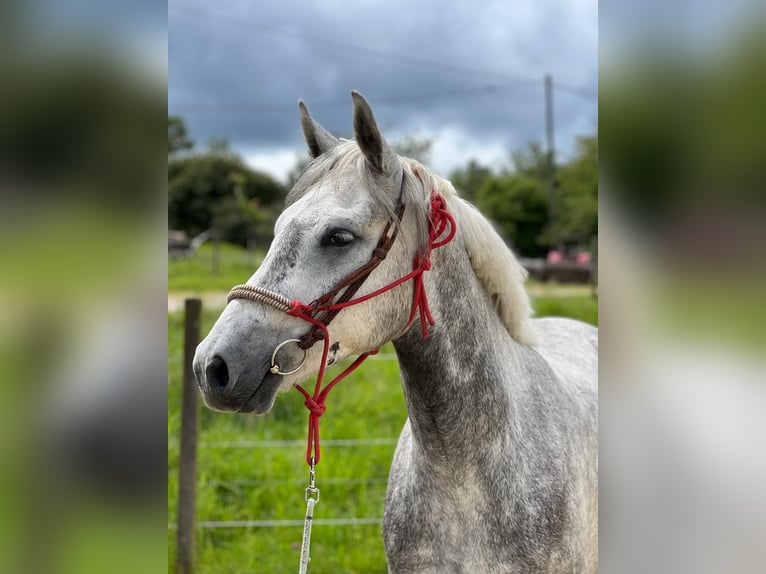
{"x":496,"y":467}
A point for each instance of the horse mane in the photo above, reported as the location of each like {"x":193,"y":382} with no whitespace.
{"x":495,"y":266}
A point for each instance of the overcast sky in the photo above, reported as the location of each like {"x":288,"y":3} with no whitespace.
{"x":467,"y":74}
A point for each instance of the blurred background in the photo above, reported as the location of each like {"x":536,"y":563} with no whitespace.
{"x":681,"y":236}
{"x":82,"y":283}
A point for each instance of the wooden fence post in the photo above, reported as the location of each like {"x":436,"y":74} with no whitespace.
{"x":187,"y":465}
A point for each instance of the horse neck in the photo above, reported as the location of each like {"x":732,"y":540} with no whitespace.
{"x":458,"y":382}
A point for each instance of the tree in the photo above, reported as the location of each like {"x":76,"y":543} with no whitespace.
{"x":519,"y":205}
{"x":517,"y":200}
{"x":217,"y":190}
{"x":576,"y":217}
{"x":469,"y":180}
{"x":531,"y":161}
{"x":178,"y":138}
{"x":219,"y":146}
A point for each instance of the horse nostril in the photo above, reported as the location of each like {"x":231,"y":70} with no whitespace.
{"x":217,"y":373}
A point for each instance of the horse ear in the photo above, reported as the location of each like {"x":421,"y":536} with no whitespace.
{"x":367,"y":135}
{"x":318,"y":139}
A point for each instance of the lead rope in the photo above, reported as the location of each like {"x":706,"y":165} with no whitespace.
{"x":312,"y":497}
{"x":441,"y":221}
{"x":305,"y":558}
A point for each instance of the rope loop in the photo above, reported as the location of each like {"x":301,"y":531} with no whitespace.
{"x":440,"y":220}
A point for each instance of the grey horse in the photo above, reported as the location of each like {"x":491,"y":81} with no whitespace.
{"x":496,"y":466}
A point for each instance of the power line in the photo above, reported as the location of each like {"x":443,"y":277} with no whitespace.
{"x":249,"y":444}
{"x":269,"y":107}
{"x":276,"y":107}
{"x":298,"y":443}
{"x":355,"y":49}
{"x":294,"y":482}
{"x":347,"y":47}
{"x":280,"y":523}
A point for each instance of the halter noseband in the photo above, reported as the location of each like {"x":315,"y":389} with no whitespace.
{"x":324,"y":309}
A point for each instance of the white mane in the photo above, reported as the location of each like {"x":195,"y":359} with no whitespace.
{"x":497,"y":269}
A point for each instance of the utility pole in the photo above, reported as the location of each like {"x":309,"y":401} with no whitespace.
{"x":551,"y":150}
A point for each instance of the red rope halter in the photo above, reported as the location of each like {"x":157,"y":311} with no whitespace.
{"x":441,"y":222}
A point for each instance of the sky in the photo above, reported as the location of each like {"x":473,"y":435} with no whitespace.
{"x":467,"y":75}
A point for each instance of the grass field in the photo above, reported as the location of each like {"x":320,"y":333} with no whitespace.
{"x":212,"y":268}
{"x":266,"y":483}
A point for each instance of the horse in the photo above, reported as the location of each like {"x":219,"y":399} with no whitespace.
{"x":495,"y":469}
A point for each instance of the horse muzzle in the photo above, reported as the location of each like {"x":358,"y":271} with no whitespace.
{"x":231,"y":380}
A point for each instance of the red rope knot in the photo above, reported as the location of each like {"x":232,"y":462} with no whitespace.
{"x":437,"y":202}
{"x":315,"y":408}
{"x":298,"y":309}
{"x":425,"y":263}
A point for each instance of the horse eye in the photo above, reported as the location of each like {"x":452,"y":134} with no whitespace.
{"x":338,"y":238}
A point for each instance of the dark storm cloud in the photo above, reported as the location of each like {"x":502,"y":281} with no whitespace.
{"x":236,"y":70}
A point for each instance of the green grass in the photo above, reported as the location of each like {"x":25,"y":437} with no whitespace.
{"x":199,"y":273}
{"x":582,"y":307}
{"x":268,"y":483}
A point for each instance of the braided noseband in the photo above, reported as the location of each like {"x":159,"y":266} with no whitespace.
{"x":260,"y":295}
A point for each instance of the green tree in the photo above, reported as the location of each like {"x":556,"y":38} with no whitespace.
{"x":531,"y":161}
{"x":178,"y":137}
{"x":219,"y":146}
{"x":217,"y":190}
{"x":518,"y":204}
{"x":576,"y":211}
{"x":470,"y":179}
{"x":517,"y":200}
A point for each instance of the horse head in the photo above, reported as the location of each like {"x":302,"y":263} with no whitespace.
{"x":334,"y":218}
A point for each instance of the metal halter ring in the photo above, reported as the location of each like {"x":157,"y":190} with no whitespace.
{"x":275,"y":367}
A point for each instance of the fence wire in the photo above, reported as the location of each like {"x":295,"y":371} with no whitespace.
{"x":290,"y":443}
{"x":212,"y":524}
